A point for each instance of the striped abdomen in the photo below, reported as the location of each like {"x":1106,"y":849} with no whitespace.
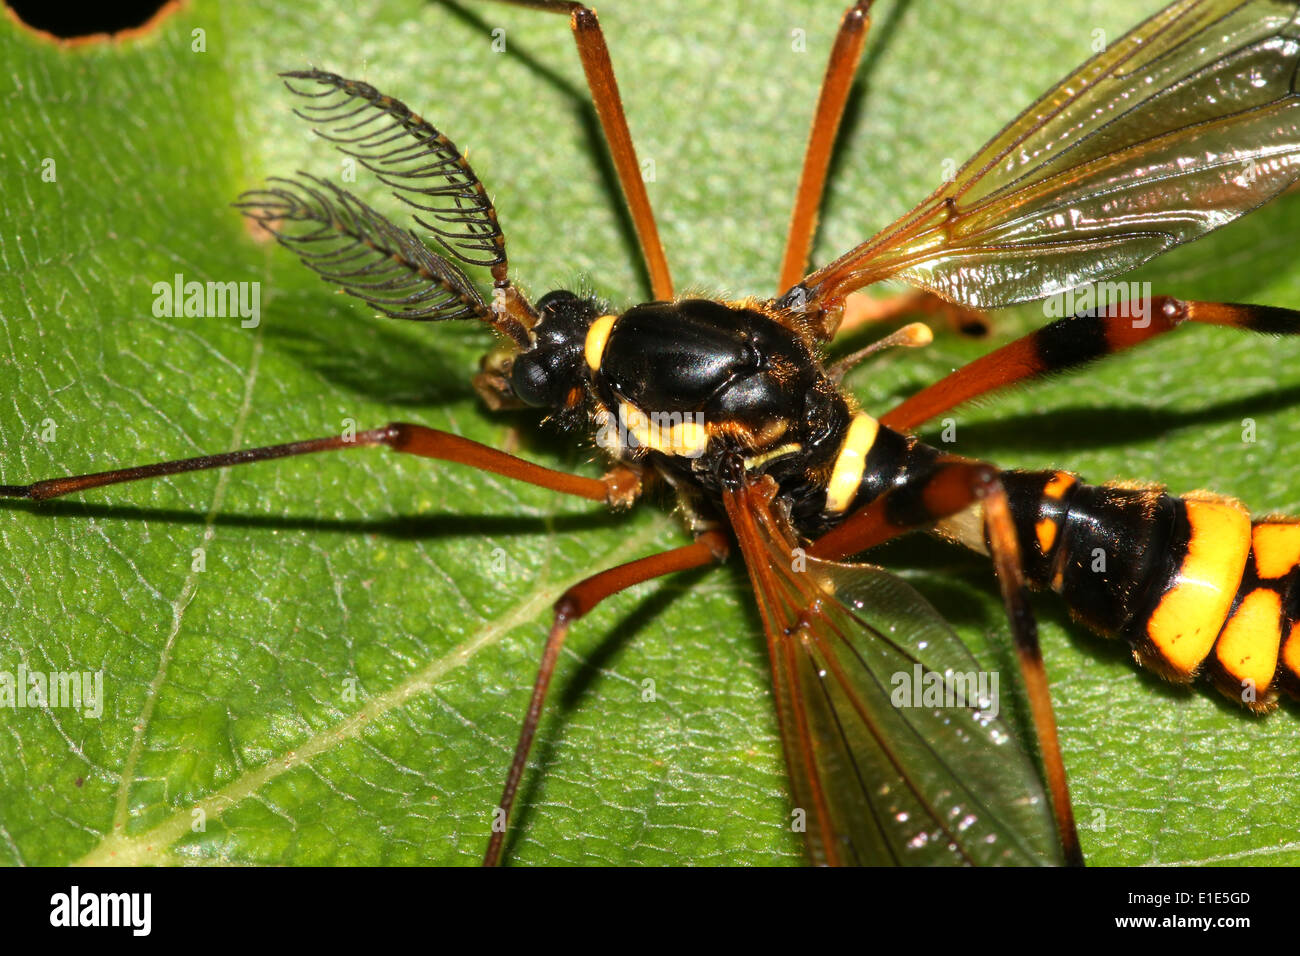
{"x":1191,"y":582}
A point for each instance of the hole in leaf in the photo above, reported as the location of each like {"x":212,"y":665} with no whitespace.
{"x":71,"y":21}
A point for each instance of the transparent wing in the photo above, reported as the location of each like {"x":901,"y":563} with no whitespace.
{"x":883,"y":774}
{"x":1180,"y":126}
{"x":346,"y":242}
{"x":424,"y":167}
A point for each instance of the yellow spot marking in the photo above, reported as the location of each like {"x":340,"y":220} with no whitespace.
{"x":1186,"y":622}
{"x":1291,"y":650}
{"x":688,"y":439}
{"x":1277,"y":549}
{"x":636,"y":422}
{"x":851,"y":462}
{"x":1058,"y":485}
{"x":1046,"y":531}
{"x":1247,"y":649}
{"x":594,"y":346}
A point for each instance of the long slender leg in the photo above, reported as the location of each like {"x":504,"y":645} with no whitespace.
{"x":609,"y":107}
{"x":846,"y":52}
{"x":574,"y":603}
{"x":954,"y":485}
{"x":1024,"y":632}
{"x":1073,"y":341}
{"x":619,"y":488}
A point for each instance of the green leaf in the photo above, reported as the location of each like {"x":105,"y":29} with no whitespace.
{"x":344,"y":679}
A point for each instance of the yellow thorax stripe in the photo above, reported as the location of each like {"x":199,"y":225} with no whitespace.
{"x":672,"y":434}
{"x":594,"y":346}
{"x":758,"y":461}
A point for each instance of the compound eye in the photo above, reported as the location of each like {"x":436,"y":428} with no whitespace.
{"x":551,"y":299}
{"x":531,"y":380}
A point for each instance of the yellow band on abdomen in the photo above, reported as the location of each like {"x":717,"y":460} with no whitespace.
{"x":1277,"y":548}
{"x":851,"y":462}
{"x":1291,"y":651}
{"x":1187,"y":621}
{"x":1247,"y":648}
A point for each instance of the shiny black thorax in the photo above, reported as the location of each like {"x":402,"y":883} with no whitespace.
{"x":731,"y":365}
{"x":756,"y":386}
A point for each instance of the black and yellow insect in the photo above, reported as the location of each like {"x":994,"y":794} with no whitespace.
{"x":767,"y":451}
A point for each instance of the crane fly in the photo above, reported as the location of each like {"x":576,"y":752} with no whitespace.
{"x":895,"y":752}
